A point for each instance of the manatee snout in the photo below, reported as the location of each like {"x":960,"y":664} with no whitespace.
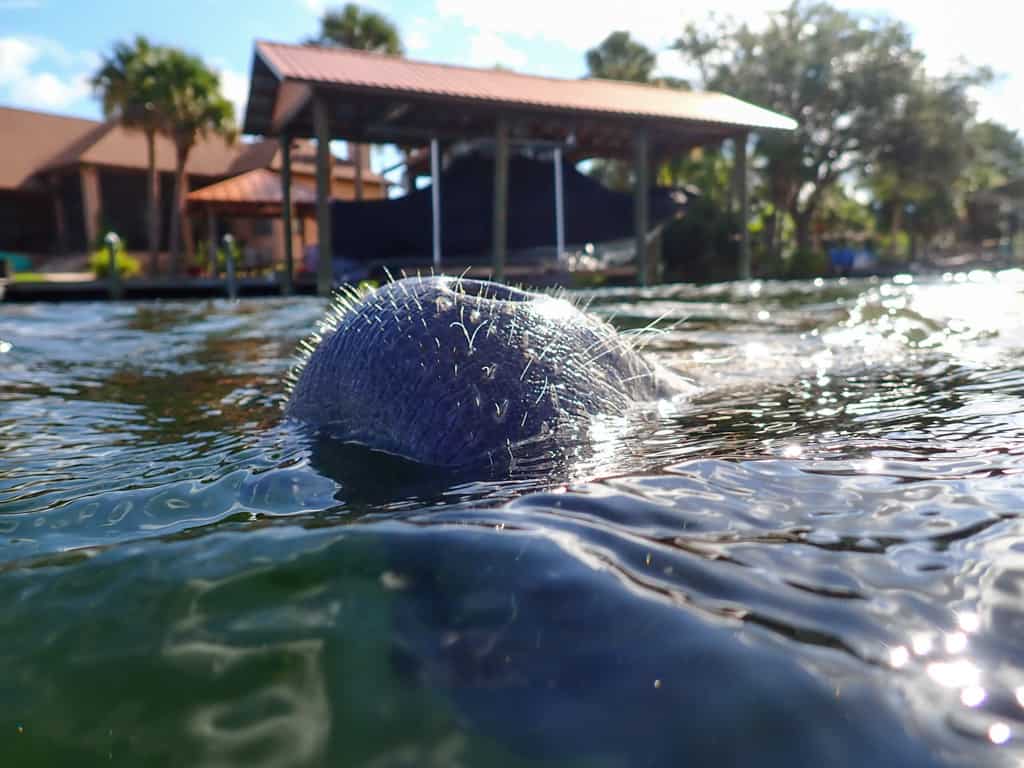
{"x":453,"y":372}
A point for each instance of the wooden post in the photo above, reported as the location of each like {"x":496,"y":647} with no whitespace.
{"x":92,"y":204}
{"x":113,"y":243}
{"x":641,"y":173}
{"x":286,"y":212}
{"x":744,"y":200}
{"x":559,"y":206}
{"x":499,"y":244}
{"x":435,"y":200}
{"x":211,"y":240}
{"x":229,"y":263}
{"x":59,"y":219}
{"x":321,"y":127}
{"x":357,"y":151}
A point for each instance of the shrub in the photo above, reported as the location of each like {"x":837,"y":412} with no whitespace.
{"x":202,"y":260}
{"x":807,"y":263}
{"x":127,"y":266}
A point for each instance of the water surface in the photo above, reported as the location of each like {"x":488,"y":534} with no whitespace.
{"x":818,"y":558}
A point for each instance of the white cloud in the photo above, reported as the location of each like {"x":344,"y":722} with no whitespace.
{"x":235,"y":87}
{"x":15,"y":58}
{"x":979,"y":32}
{"x":48,"y":91}
{"x":27,"y":78}
{"x":564,"y":22}
{"x":416,"y":37}
{"x":487,"y":49}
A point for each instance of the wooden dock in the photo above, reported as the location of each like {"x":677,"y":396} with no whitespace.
{"x":136,"y":290}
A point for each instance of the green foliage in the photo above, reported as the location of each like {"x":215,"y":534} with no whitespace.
{"x":806,"y":263}
{"x":127,"y":266}
{"x":127,"y":84}
{"x":190,"y":99}
{"x":202,"y":258}
{"x":28,"y":277}
{"x":996,"y":155}
{"x":359,"y":28}
{"x":165,"y":90}
{"x":619,"y":57}
{"x":702,"y":246}
{"x":840,"y":75}
{"x":869,"y":115}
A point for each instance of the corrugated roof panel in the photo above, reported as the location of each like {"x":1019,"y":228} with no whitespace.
{"x":258,"y":187}
{"x":359,"y":69}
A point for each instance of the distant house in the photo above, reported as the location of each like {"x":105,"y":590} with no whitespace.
{"x":65,"y":180}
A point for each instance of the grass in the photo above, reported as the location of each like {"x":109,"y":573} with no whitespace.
{"x":28,"y":277}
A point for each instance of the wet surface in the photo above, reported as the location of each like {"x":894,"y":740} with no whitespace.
{"x":817,"y":558}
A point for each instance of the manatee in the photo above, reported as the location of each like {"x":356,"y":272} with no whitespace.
{"x":452,"y":372}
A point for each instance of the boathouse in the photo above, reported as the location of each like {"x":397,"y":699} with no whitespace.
{"x":332,"y":93}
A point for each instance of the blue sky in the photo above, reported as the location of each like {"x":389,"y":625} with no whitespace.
{"x":49,"y":47}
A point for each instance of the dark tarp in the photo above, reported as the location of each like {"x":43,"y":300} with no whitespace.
{"x":399,"y":230}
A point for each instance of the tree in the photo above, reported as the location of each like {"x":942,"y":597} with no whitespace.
{"x":838,"y":74}
{"x":363,"y":30}
{"x":358,"y":28}
{"x":619,"y":57}
{"x":925,"y":151}
{"x":126,"y":83}
{"x":996,"y":156}
{"x":192,"y":107}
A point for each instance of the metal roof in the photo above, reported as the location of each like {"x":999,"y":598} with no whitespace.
{"x":260,"y":189}
{"x":376,"y":97}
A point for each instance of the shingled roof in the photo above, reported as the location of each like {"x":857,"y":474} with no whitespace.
{"x":37,"y":142}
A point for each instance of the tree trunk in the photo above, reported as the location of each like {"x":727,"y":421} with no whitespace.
{"x":802,"y":222}
{"x":895,"y":227}
{"x":771,"y":236}
{"x":153,"y":205}
{"x":178,"y":224}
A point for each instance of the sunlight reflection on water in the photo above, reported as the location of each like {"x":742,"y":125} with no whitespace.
{"x":835,"y":508}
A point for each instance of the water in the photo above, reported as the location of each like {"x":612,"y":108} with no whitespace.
{"x":818,"y":559}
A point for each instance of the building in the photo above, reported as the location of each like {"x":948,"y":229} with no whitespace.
{"x":65,"y":181}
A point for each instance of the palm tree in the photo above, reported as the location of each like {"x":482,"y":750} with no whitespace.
{"x":192,"y":106}
{"x":363,"y":30}
{"x":620,"y":57}
{"x":126,"y":83}
{"x":359,"y":28}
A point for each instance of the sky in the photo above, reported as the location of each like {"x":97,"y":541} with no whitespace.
{"x":48,"y":48}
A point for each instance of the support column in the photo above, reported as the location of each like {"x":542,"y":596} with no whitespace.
{"x":740,"y":144}
{"x":321,"y":127}
{"x":641,"y":216}
{"x":211,"y":240}
{"x":286,"y":212}
{"x":59,"y":217}
{"x":499,"y":241}
{"x":435,"y":200}
{"x":357,"y":151}
{"x":92,"y":205}
{"x":559,"y":205}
